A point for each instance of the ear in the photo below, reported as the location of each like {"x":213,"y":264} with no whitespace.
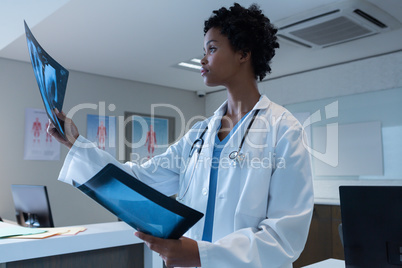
{"x":245,"y":56}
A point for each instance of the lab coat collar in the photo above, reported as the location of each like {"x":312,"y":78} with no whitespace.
{"x":262,"y":103}
{"x":215,"y":120}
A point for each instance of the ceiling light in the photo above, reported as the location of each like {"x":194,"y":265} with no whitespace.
{"x":193,"y":64}
{"x":189,"y":65}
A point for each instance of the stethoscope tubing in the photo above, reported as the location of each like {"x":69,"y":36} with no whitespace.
{"x":190,"y":155}
{"x":233,"y":155}
{"x":191,"y":178}
{"x":200,"y":139}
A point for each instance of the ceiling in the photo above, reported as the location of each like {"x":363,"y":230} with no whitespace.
{"x":144,"y":40}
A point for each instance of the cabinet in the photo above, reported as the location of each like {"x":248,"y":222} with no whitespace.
{"x":111,"y":244}
{"x":323,"y":241}
{"x":124,"y":256}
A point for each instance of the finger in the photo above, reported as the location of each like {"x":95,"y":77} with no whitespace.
{"x":146,"y":237}
{"x":51,"y":129}
{"x":61,"y":115}
{"x":50,"y":126}
{"x":154,"y":243}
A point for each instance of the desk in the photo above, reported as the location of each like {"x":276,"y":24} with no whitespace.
{"x":114,"y":235}
{"x":330,"y":263}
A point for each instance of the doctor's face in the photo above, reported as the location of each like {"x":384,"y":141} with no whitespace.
{"x":220,"y":64}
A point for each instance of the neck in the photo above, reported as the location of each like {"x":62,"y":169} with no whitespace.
{"x":242,"y":99}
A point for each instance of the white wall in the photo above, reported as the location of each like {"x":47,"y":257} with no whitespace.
{"x":19,"y":91}
{"x":377,"y":73}
{"x":374,"y":79}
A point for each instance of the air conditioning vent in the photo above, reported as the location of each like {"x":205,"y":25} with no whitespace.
{"x":370,"y":18}
{"x":335,"y":24}
{"x":310,"y":19}
{"x":294,"y":41}
{"x":323,"y":33}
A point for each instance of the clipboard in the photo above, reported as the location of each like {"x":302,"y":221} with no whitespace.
{"x":51,"y":78}
{"x":139,"y":205}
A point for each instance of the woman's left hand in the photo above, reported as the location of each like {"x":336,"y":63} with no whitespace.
{"x":182,"y":252}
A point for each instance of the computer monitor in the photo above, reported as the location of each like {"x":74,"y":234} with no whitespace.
{"x":32,"y":205}
{"x":372,"y":226}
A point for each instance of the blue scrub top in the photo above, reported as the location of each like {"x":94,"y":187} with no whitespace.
{"x":213,"y":181}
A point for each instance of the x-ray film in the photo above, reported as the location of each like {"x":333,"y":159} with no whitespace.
{"x":139,"y":205}
{"x":51,"y":78}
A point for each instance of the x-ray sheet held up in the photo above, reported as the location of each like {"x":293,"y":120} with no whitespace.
{"x":139,"y":205}
{"x":51,"y":78}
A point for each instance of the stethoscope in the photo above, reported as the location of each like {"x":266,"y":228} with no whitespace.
{"x":235,"y":156}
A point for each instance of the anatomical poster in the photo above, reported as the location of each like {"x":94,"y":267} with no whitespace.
{"x":38,"y":144}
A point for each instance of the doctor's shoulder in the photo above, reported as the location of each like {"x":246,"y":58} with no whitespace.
{"x":283,"y":120}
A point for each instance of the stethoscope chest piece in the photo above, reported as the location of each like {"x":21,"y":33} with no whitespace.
{"x":236,"y":157}
{"x":233,"y":155}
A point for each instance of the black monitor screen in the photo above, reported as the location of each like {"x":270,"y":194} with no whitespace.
{"x":32,"y":205}
{"x":372,"y":226}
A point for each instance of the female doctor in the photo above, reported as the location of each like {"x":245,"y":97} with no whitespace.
{"x":245,"y":168}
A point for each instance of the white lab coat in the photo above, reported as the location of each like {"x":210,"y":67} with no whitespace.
{"x":263,"y":204}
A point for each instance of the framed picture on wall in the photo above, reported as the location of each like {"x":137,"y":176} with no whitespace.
{"x":101,"y":130}
{"x":38,"y":144}
{"x":147,"y":136}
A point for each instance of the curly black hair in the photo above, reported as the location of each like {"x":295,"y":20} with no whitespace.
{"x":248,"y":30}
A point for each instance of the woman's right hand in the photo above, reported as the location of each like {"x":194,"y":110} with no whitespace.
{"x":70,"y":129}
